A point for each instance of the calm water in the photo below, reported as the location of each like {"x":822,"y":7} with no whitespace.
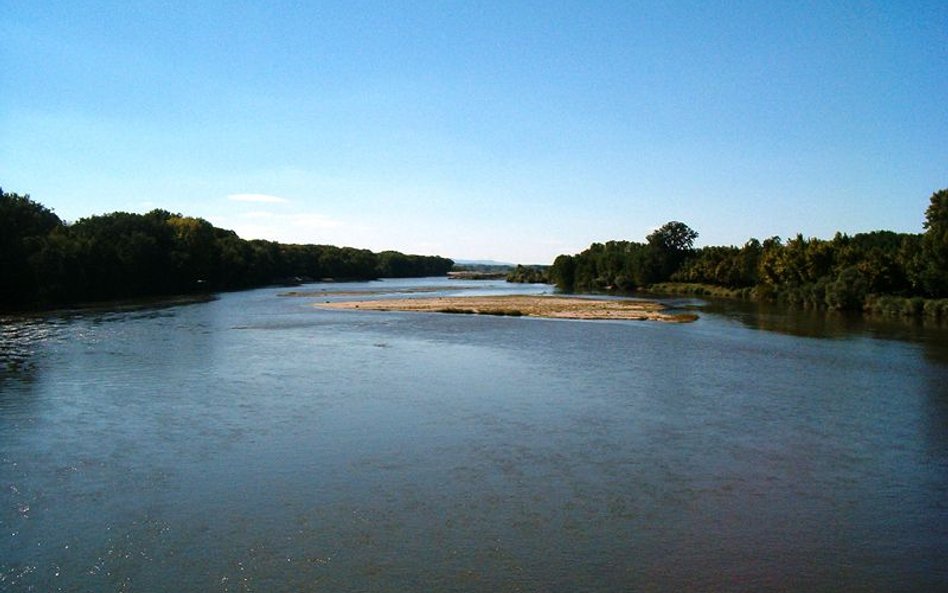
{"x":256,"y":443}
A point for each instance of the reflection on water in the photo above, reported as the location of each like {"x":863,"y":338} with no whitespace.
{"x":824,"y":324}
{"x":20,"y":341}
{"x":258,"y":444}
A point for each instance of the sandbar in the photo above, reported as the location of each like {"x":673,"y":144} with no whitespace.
{"x":322,"y":292}
{"x":524,"y":306}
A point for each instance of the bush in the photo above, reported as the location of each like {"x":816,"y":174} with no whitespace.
{"x":913,"y":307}
{"x":936,"y":308}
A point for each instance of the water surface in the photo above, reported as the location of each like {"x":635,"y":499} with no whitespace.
{"x":256,"y":443}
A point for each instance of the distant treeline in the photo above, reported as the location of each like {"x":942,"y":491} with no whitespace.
{"x":881,"y":271}
{"x":529,"y":275}
{"x":45,"y":262}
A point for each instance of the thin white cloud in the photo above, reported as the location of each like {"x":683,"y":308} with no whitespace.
{"x":257,"y":198}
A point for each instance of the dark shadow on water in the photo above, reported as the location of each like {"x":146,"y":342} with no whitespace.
{"x":823,"y":324}
{"x":147,"y":308}
{"x":24,"y":338}
{"x":937,"y":392}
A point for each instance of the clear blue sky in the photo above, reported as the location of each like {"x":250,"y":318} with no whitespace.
{"x":507,"y":130}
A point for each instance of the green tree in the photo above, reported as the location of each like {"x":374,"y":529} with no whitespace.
{"x":24,"y":227}
{"x":935,"y":246}
{"x":669,"y":246}
{"x":195,"y":254}
{"x":563,"y":272}
{"x":673,"y":236}
{"x":848,"y":292}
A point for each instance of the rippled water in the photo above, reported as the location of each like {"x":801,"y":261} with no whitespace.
{"x":256,"y":443}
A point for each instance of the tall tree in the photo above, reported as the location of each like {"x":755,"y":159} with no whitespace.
{"x":24,"y":226}
{"x":669,"y":246}
{"x":673,"y":236}
{"x":935,"y":245}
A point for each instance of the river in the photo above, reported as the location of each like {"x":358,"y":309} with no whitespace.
{"x":258,"y":443}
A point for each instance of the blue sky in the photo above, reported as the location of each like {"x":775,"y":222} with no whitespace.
{"x":513,"y":131}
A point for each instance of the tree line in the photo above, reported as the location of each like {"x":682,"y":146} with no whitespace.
{"x":881,"y":271}
{"x":46,"y":262}
{"x":626,"y":265}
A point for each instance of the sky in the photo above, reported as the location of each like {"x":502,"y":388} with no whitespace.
{"x":512,"y":131}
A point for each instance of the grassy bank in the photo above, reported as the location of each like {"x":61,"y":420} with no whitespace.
{"x":701,"y":290}
{"x":906,"y":307}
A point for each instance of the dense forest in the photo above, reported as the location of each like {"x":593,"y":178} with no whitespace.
{"x":45,"y":262}
{"x":881,"y":272}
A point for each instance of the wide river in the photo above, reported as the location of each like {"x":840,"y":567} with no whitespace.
{"x":257,"y":443}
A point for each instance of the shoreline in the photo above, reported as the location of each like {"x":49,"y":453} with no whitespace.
{"x":551,"y":307}
{"x":115,"y":305}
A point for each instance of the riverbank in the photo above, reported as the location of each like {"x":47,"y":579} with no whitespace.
{"x":475,"y":275}
{"x":114,"y":305}
{"x":526,"y":306}
{"x":878,"y":306}
{"x":701,"y":290}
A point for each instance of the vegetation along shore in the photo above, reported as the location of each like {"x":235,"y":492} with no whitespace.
{"x":878,"y":273}
{"x":47,"y":263}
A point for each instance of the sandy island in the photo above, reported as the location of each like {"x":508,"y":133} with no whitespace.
{"x":522,"y":305}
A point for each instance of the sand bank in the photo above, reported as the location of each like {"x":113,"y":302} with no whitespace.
{"x":521,"y":305}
